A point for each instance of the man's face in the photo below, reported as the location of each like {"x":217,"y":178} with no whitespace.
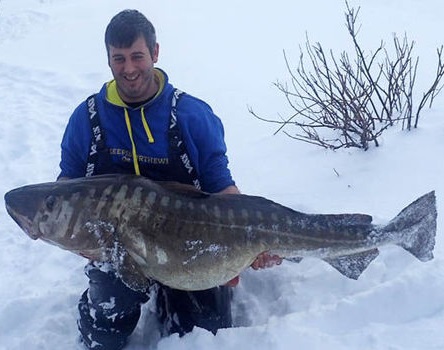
{"x":133,"y":70}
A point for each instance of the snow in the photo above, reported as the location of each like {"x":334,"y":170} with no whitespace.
{"x":229,"y":53}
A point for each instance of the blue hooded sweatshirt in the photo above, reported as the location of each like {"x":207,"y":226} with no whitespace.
{"x":138,"y":140}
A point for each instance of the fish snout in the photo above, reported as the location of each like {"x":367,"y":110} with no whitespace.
{"x":22,"y":210}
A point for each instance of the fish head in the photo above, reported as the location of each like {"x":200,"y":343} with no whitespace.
{"x":35,"y":209}
{"x":64,"y":214}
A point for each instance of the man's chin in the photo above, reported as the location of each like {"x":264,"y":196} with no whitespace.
{"x":130,"y":94}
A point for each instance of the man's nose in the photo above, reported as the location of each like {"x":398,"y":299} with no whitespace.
{"x":129,"y":67}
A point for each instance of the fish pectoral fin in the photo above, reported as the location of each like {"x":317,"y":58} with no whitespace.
{"x":353,"y":265}
{"x":129,"y":272}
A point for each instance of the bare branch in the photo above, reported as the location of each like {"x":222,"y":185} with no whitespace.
{"x":350,"y":101}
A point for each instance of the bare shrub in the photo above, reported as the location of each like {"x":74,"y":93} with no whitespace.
{"x":349,"y":102}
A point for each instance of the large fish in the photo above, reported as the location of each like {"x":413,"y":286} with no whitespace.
{"x":192,"y":240}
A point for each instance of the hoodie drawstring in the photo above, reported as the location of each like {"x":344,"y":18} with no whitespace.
{"x":130,"y":133}
{"x":146,"y":127}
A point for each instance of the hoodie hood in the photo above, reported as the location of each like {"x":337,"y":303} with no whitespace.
{"x":113,"y":97}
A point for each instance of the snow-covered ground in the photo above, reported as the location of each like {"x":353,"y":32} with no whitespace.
{"x":229,"y":53}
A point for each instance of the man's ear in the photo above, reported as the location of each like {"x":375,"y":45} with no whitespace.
{"x":155,"y":53}
{"x":107,"y":56}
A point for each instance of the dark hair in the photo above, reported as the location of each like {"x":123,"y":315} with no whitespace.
{"x":126,"y":27}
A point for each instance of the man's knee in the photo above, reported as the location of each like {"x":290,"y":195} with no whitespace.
{"x":109,"y":310}
{"x":100,"y":332}
{"x":180,"y":311}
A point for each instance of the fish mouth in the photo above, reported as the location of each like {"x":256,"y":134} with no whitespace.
{"x":20,"y":216}
{"x":24,"y":223}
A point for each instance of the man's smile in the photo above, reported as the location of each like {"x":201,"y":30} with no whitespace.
{"x":131,"y":78}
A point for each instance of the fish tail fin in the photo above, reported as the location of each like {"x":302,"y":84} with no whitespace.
{"x":416,"y":227}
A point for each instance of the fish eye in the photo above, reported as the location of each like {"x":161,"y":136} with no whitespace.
{"x":50,"y":202}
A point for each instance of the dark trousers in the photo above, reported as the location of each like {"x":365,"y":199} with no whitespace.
{"x":109,"y":310}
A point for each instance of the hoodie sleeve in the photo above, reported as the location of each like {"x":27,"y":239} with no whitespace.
{"x":75,"y":144}
{"x":203,"y":135}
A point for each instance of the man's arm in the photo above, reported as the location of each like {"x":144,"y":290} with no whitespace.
{"x":61,"y":178}
{"x":230,"y":190}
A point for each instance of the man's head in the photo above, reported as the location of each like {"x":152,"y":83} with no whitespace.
{"x":132,"y":52}
{"x":126,"y":27}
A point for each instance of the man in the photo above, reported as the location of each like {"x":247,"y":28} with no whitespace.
{"x":138,"y":123}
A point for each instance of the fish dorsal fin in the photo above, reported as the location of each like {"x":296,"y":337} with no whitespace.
{"x":353,"y":265}
{"x":183,"y":189}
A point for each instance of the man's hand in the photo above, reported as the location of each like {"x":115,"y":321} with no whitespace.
{"x":266,"y":260}
{"x":233,"y":283}
{"x":263,"y":261}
